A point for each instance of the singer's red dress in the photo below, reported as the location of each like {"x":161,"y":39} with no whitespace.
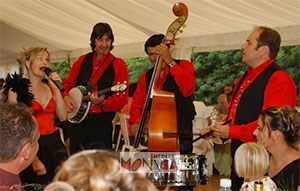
{"x":44,"y":116}
{"x":52,"y":151}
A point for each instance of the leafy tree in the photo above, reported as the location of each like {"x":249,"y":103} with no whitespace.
{"x":136,"y":66}
{"x":62,"y":68}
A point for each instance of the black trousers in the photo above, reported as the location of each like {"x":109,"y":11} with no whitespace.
{"x":186,"y":146}
{"x":94,"y":132}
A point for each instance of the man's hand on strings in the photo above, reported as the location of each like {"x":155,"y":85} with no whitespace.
{"x":70,"y":104}
{"x":98,"y":100}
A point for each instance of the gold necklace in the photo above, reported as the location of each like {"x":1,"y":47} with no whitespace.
{"x":280,"y":166}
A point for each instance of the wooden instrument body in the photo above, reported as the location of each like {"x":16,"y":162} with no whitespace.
{"x":163,"y":130}
{"x":163,"y":123}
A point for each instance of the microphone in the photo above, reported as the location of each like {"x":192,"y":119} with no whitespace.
{"x":48,"y":71}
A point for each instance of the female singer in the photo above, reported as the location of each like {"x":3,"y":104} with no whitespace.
{"x":45,"y":101}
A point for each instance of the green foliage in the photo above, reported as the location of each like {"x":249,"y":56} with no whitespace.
{"x":136,"y":66}
{"x":62,"y":68}
{"x":289,"y":59}
{"x":214,"y":69}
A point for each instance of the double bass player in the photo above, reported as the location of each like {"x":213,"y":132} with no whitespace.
{"x":176,"y":76}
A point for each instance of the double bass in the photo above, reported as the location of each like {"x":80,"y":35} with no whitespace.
{"x":163,"y":120}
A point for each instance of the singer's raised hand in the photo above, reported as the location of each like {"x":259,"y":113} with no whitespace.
{"x":54,"y":77}
{"x":57,"y":82}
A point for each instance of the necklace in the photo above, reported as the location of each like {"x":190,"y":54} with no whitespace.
{"x":274,"y":169}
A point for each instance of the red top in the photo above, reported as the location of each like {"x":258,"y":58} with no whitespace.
{"x":113,"y":103}
{"x":9,"y":181}
{"x":280,"y":91}
{"x":44,"y":116}
{"x":183,"y":74}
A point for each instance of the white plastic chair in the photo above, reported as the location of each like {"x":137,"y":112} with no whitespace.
{"x":115,"y":122}
{"x":124,"y":132}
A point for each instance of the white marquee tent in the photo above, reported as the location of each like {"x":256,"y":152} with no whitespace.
{"x":64,"y":26}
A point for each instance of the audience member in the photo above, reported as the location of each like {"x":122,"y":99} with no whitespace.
{"x":224,"y":100}
{"x":203,"y":146}
{"x":263,"y":85}
{"x":279,"y":132}
{"x":252,"y":163}
{"x":2,"y":81}
{"x":45,"y":101}
{"x":96,"y":71}
{"x":19,"y":144}
{"x":222,"y":148}
{"x":98,"y":170}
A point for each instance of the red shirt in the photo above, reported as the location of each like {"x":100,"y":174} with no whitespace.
{"x":182,"y":73}
{"x":113,"y":103}
{"x":280,"y":91}
{"x":9,"y":181}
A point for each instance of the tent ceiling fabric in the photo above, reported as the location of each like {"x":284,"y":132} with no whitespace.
{"x":64,"y":26}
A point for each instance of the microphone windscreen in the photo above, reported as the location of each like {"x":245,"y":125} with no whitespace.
{"x":47,"y":71}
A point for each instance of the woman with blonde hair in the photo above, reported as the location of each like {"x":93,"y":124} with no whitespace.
{"x":45,"y":101}
{"x":252,"y":163}
{"x":97,"y":170}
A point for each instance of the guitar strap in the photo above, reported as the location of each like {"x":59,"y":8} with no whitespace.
{"x":94,"y":79}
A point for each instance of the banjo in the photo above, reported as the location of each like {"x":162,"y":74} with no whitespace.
{"x":81,"y":97}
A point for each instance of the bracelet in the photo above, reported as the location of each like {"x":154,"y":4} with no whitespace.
{"x":171,"y":64}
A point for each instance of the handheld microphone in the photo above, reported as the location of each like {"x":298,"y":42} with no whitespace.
{"x":48,"y":71}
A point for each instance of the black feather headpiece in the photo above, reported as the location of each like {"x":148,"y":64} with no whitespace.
{"x":19,"y":85}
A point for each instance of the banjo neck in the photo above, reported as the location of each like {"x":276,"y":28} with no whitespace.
{"x":101,"y":92}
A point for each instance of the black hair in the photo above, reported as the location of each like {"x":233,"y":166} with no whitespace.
{"x":99,"y":30}
{"x":154,"y":40}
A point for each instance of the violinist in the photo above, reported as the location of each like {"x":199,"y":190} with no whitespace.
{"x":176,"y":76}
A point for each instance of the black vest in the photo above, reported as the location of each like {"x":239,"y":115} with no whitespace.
{"x":105,"y":81}
{"x":252,"y":99}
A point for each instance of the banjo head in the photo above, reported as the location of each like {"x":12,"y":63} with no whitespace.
{"x":82,"y":108}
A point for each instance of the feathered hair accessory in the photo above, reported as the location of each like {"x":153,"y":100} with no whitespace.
{"x":19,"y":85}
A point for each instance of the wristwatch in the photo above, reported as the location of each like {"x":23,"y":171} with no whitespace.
{"x":171,"y":64}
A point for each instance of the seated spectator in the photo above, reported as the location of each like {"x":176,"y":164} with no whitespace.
{"x":278,"y":131}
{"x":223,"y":159}
{"x":203,"y":146}
{"x":252,"y":163}
{"x":96,"y":170}
{"x":2,"y":81}
{"x":223,"y":100}
{"x":19,"y":143}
